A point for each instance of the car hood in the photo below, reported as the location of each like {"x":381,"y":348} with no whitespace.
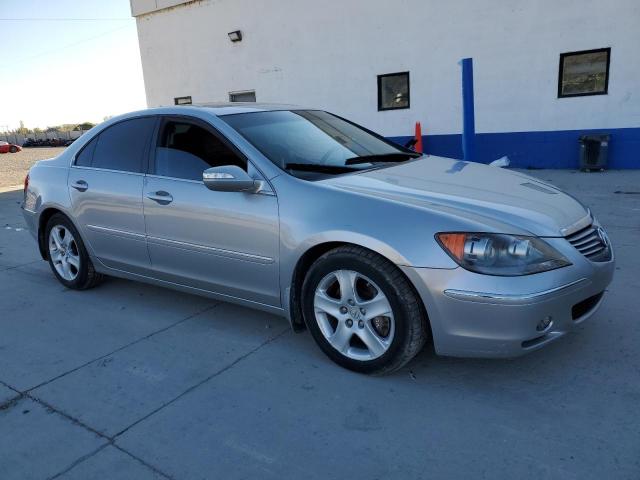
{"x":479,"y":192}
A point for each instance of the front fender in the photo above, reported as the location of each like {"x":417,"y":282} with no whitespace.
{"x":317,"y":244}
{"x":354,"y":238}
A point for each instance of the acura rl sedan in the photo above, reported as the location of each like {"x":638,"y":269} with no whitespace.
{"x":373,"y":248}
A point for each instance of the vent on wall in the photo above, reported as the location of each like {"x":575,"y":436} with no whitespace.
{"x":245,"y":96}
{"x":182,"y":101}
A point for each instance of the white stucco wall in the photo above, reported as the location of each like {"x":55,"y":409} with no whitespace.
{"x":328,"y":54}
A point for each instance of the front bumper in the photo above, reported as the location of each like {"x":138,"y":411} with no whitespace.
{"x":475,"y":315}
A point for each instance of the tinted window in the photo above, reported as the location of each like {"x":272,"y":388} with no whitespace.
{"x":86,"y":155}
{"x":186,"y":150}
{"x":122,"y":146}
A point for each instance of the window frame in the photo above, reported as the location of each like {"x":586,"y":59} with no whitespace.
{"x":198,"y":122}
{"x":96,"y":137}
{"x":583,"y":52}
{"x":385,"y":75}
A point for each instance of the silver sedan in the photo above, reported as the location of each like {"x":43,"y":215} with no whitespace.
{"x":371,"y":247}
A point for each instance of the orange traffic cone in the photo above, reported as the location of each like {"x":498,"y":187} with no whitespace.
{"x":418,"y":145}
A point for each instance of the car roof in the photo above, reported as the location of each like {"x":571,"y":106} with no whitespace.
{"x":215,"y":109}
{"x":220,"y":109}
{"x":228,"y":108}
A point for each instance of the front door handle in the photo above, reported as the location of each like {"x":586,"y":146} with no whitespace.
{"x":162,"y":197}
{"x":80,"y":185}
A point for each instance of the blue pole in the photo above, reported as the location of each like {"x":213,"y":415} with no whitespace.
{"x":468,"y":114}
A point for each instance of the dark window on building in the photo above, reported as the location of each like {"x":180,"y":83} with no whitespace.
{"x":85,"y":158}
{"x":249,"y":96}
{"x":584,"y":73}
{"x":122,"y":146}
{"x":393,"y":91}
{"x":186,"y":150}
{"x":182,"y":101}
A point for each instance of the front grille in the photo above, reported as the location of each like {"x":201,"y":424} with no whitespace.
{"x":588,"y":242}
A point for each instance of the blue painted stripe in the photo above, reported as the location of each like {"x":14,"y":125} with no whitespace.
{"x":555,"y":149}
{"x":468,"y":114}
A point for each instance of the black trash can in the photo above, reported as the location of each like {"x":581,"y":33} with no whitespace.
{"x":594,"y":152}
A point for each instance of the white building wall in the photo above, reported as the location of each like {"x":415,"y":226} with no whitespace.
{"x":327,"y":54}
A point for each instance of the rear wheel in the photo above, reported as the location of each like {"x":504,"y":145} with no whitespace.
{"x":362,"y":311}
{"x":68,"y":256}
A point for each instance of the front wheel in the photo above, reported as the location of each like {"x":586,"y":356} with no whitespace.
{"x":362,"y":311}
{"x":13,"y":149}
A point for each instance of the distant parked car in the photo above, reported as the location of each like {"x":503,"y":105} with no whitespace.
{"x":46,"y":142}
{"x":9,"y":147}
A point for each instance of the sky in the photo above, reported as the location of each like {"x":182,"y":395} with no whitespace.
{"x":67,"y":71}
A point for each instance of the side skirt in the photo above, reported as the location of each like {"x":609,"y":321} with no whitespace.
{"x":100,"y":267}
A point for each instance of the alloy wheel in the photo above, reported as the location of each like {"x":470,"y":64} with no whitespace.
{"x":64,"y":252}
{"x":354,"y":315}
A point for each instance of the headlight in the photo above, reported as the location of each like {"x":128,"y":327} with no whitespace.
{"x":500,"y":254}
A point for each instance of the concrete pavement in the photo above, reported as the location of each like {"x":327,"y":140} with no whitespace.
{"x":130,"y":381}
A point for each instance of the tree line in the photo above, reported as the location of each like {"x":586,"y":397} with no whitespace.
{"x":65,"y":127}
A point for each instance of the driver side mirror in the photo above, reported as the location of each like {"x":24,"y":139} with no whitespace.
{"x":230,"y":178}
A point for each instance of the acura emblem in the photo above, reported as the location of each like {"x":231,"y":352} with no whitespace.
{"x":603,"y":236}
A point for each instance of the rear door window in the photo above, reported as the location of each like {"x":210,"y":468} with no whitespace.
{"x":122,"y":146}
{"x":185,"y":150}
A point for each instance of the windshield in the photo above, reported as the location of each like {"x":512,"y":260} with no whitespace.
{"x":314,"y":141}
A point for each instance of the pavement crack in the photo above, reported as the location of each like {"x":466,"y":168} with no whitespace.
{"x":12,"y":402}
{"x":202,"y":382}
{"x":102,"y":357}
{"x":108,"y":440}
{"x":15,"y":267}
{"x":78,"y":461}
{"x":5,"y":384}
{"x":142,"y":462}
{"x":67,"y":416}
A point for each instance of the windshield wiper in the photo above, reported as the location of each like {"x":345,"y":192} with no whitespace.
{"x":382,"y":158}
{"x":314,"y":167}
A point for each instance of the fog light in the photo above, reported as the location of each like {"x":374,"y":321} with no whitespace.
{"x":544,"y":324}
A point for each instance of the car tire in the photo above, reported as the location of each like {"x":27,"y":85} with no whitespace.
{"x":67,"y":255}
{"x":13,"y":149}
{"x":344,"y":330}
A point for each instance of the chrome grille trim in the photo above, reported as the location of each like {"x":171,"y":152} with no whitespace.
{"x":592,"y":251}
{"x":587,"y":241}
{"x":582,"y":234}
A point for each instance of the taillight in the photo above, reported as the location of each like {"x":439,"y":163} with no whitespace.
{"x":26,"y":184}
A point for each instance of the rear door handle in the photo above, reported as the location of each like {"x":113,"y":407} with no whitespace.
{"x":80,"y":185}
{"x":162,"y":197}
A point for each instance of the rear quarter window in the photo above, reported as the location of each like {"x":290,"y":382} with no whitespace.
{"x":85,"y":158}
